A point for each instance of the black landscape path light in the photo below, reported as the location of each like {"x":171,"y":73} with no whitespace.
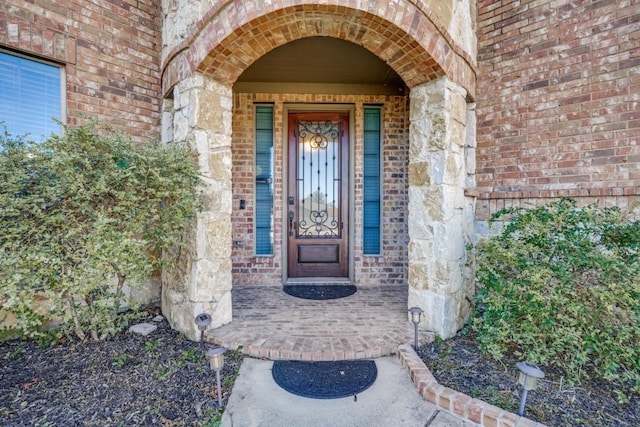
{"x":203,"y":320}
{"x":528,"y":379}
{"x":416,"y":315}
{"x":216,"y":362}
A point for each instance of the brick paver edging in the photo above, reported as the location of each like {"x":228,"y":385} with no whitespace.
{"x":460,"y":404}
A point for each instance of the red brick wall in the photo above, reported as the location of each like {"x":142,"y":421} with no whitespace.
{"x":110,"y":51}
{"x":391,"y":266}
{"x":558,"y":105}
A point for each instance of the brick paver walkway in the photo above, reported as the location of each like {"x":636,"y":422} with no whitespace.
{"x":270,"y":324}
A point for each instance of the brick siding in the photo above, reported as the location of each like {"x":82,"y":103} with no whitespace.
{"x":110,"y":51}
{"x":557,"y":105}
{"x":391,"y":266}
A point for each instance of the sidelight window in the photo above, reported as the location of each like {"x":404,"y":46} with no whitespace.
{"x":264,"y":172}
{"x":372,"y":181}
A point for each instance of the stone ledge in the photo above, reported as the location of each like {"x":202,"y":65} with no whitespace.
{"x":485,"y":194}
{"x":472,"y":410}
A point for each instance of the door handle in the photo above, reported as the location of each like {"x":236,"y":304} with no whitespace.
{"x":290,"y":215}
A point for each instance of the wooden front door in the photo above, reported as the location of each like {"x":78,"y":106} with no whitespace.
{"x":317,"y":199}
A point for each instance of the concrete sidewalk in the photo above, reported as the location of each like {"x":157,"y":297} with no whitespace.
{"x":392,"y":401}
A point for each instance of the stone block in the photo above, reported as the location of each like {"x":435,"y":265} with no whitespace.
{"x":210,"y":276}
{"x":449,"y":244}
{"x":419,"y":133}
{"x":436,"y":160}
{"x":166,"y":130}
{"x":443,"y":10}
{"x":146,"y":292}
{"x":143,"y":329}
{"x":470,"y":126}
{"x":420,"y":250}
{"x":470,"y":165}
{"x":441,"y":313}
{"x":454,"y":170}
{"x":464,"y":26}
{"x":456,"y":134}
{"x":209,"y":113}
{"x":418,"y":276}
{"x":418,"y":220}
{"x":180,"y":126}
{"x":193,"y":82}
{"x":419,"y":174}
{"x":181,"y":316}
{"x":433,"y":202}
{"x":216,"y":196}
{"x":215,"y":237}
{"x":439,"y":135}
{"x":222,"y":311}
{"x":456,"y":103}
{"x":426,"y":98}
{"x":219,"y":165}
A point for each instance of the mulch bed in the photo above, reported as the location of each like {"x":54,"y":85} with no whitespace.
{"x":457,"y":363}
{"x":161,"y":379}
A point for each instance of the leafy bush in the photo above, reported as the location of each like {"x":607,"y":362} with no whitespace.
{"x":560,"y":286}
{"x":80,"y":215}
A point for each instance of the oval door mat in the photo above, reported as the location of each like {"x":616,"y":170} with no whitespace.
{"x":325,"y":380}
{"x":320,"y":292}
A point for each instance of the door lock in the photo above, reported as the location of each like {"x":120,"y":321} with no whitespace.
{"x":291,"y":215}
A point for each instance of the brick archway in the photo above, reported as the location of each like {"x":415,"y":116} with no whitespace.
{"x":201,"y":71}
{"x":229,"y":38}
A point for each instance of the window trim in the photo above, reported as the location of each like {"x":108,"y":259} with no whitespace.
{"x":48,"y":61}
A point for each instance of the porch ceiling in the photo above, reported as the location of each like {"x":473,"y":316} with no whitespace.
{"x":321,"y":62}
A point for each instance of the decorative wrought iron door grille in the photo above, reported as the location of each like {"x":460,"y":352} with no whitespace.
{"x":318,"y":178}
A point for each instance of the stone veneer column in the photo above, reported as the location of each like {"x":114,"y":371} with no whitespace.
{"x":201,"y":116}
{"x":440,"y":224}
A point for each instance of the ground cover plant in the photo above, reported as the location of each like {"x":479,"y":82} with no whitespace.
{"x":459,"y":364}
{"x":560,"y":286}
{"x":83,"y":216}
{"x":161,"y":379}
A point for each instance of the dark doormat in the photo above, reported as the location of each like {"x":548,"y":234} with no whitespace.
{"x":325,"y":380}
{"x":320,"y":292}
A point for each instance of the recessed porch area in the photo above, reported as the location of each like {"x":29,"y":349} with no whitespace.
{"x":267,"y":323}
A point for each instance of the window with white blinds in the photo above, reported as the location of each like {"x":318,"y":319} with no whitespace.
{"x":30,"y":96}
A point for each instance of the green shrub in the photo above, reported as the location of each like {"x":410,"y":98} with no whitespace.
{"x":81,"y":214}
{"x":560,"y":286}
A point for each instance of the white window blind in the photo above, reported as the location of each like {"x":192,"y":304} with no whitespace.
{"x":30,"y":96}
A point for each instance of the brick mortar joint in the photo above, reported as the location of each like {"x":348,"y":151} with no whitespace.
{"x":410,"y":360}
